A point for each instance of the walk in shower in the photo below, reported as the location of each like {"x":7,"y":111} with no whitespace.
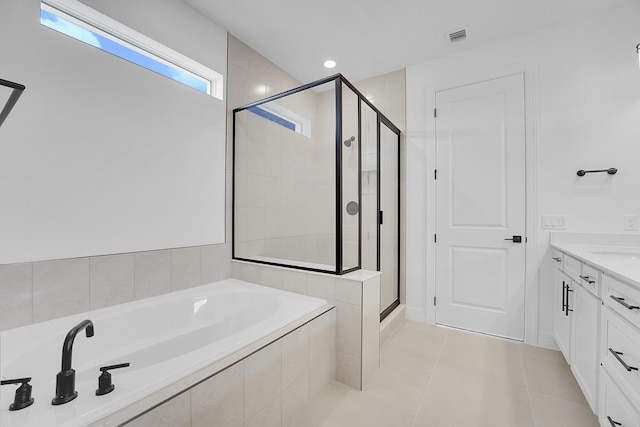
{"x":316,"y":182}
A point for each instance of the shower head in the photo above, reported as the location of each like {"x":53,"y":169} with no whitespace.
{"x":348,"y":142}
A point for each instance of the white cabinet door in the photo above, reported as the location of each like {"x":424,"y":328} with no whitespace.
{"x":615,"y":408}
{"x":585,"y":360}
{"x":563,"y":313}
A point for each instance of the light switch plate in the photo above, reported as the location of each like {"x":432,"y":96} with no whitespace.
{"x":556,"y":222}
{"x":631,"y":222}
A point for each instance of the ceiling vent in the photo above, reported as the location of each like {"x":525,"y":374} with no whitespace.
{"x":457,"y":36}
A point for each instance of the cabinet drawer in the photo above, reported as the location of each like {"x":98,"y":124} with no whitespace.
{"x":621,"y":349}
{"x":572,"y":267}
{"x":623,"y":299}
{"x":591,"y":279}
{"x":614,"y":406}
{"x":557,"y":258}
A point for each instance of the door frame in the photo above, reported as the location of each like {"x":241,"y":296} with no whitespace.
{"x":529,"y":71}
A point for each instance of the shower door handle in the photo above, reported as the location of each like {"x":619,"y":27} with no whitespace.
{"x":380,"y":217}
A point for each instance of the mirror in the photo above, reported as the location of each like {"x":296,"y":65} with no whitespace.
{"x":11,"y":92}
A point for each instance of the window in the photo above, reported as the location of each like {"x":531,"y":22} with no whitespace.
{"x":273,"y":117}
{"x":284,"y":117}
{"x":76,"y":20}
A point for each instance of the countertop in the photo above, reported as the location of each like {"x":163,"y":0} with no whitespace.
{"x":626,"y":268}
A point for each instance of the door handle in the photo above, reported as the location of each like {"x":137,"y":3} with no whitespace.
{"x":515,"y":239}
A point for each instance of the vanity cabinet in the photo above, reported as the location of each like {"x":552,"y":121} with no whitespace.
{"x":597,"y":320}
{"x":577,"y":321}
{"x":615,"y":407}
{"x":620,"y":353}
{"x":585,"y":361}
{"x":563,"y":313}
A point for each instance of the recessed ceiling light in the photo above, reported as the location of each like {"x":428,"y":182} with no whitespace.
{"x":330,"y":63}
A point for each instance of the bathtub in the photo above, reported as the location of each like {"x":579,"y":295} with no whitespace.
{"x":167,"y":339}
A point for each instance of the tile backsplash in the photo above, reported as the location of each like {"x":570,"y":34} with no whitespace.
{"x":38,"y":291}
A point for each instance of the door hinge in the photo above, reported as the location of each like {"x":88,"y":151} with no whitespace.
{"x":435,"y":113}
{"x":435,"y":174}
{"x":435,"y":238}
{"x":434,"y":300}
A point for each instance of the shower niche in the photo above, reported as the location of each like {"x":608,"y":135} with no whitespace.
{"x":316,"y":182}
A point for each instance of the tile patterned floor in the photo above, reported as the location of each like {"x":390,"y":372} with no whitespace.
{"x":436,"y":377}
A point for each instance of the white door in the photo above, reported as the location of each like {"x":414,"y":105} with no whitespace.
{"x":480,"y":186}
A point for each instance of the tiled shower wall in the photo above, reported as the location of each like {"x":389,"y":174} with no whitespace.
{"x":284,"y":185}
{"x":253,"y":77}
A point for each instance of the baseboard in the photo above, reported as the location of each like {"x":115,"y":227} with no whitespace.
{"x":418,"y":314}
{"x":392,"y":323}
{"x":546,"y":340}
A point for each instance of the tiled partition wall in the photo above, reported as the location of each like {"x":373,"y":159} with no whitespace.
{"x":38,"y":291}
{"x":271,"y":385}
{"x":357,"y":299}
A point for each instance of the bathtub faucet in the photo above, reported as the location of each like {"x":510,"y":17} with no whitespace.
{"x":66,"y":378}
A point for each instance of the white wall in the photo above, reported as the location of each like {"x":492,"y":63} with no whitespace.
{"x":100,"y":156}
{"x":583,"y":101}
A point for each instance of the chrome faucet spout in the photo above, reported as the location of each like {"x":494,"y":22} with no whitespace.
{"x":66,"y":378}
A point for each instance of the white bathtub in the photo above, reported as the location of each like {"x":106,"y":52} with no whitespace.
{"x":165,"y":338}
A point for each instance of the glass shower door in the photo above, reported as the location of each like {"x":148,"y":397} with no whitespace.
{"x":389,"y":185}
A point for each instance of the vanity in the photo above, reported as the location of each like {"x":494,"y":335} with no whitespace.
{"x":597,"y":320}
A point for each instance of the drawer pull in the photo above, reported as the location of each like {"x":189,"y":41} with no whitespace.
{"x":588,"y":279}
{"x":617,"y":355}
{"x":613,"y":423}
{"x":557,"y":259}
{"x":621,"y":301}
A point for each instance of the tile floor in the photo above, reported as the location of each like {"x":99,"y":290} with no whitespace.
{"x":437,"y":377}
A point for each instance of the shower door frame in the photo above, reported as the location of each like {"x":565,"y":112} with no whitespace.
{"x":338,"y":79}
{"x":383,"y":120}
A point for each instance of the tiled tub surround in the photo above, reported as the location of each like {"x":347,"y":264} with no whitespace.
{"x":356,"y":297}
{"x":174,"y":343}
{"x":271,"y":387}
{"x":38,"y":291}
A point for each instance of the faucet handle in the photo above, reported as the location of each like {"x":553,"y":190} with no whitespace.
{"x":105,"y":386}
{"x":23,"y":397}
